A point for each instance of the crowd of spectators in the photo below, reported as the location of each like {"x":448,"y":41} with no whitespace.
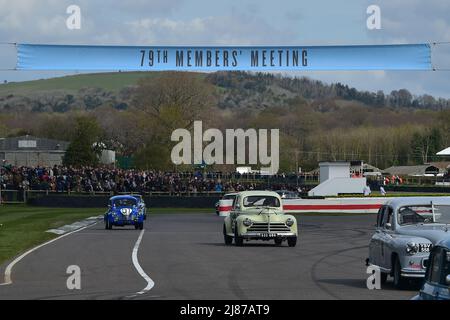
{"x":88,"y":179}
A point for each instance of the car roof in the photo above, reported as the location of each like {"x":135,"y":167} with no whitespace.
{"x":122,"y":197}
{"x":409,"y":201}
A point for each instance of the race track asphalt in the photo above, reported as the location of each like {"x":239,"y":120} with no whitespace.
{"x":185,"y":256}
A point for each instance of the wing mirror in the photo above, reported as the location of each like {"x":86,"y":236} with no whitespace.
{"x":388,"y":226}
{"x":447,"y":279}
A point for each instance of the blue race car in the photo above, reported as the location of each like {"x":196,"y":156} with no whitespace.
{"x":123,"y":211}
{"x":437,"y":277}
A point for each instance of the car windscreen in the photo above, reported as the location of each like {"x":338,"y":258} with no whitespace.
{"x":124,"y":202}
{"x":261,"y":201}
{"x":424,"y":214}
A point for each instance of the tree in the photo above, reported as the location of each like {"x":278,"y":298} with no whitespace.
{"x":174,"y":100}
{"x":427,"y":144}
{"x":83,"y":149}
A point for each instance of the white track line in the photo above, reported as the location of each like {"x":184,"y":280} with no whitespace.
{"x":9,"y":268}
{"x":134,"y":258}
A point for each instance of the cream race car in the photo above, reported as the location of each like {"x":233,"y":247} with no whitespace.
{"x":259,"y":215}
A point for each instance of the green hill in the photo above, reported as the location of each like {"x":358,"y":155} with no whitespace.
{"x":233,"y":89}
{"x":108,"y":81}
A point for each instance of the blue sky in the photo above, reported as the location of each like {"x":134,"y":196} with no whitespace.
{"x":237,"y":22}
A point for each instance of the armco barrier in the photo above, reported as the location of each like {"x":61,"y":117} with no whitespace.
{"x":73,"y":201}
{"x":225,"y":207}
{"x":421,"y":189}
{"x":342,"y":205}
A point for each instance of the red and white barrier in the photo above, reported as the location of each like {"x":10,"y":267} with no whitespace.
{"x":341,"y":205}
{"x":225,"y":207}
{"x":327,"y":205}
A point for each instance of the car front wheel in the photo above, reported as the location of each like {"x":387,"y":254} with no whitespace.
{"x":292,"y":242}
{"x":399,"y":281}
{"x":239,"y":241}
{"x":278,"y":241}
{"x":383,"y":278}
{"x":108,"y":225}
{"x":227,"y":239}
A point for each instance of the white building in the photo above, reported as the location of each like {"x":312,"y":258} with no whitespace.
{"x":335,"y":179}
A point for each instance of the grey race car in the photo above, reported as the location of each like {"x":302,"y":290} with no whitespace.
{"x":406,"y":230}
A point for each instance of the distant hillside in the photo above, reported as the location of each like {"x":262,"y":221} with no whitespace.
{"x":234,"y":90}
{"x":71,"y":84}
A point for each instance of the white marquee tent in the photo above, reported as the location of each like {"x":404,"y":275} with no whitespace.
{"x":445,"y":152}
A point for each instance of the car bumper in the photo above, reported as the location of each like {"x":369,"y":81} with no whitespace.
{"x":125,"y":222}
{"x":268,"y":235}
{"x":408,"y":273}
{"x":414,"y":266}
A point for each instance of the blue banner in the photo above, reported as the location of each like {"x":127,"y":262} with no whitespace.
{"x":270,"y":58}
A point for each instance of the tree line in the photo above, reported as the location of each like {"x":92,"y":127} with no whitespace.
{"x":317,"y":122}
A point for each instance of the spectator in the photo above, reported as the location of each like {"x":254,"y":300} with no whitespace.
{"x":367,"y":191}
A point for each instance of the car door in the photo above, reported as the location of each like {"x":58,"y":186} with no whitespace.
{"x":375,"y":241}
{"x":432,"y":288}
{"x":444,"y":287}
{"x":386,"y":240}
{"x":235,"y":211}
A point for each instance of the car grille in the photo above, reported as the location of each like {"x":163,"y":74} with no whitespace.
{"x":264,"y":227}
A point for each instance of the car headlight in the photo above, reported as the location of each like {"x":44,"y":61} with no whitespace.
{"x":247,"y":222}
{"x":412,"y":248}
{"x":290,"y":222}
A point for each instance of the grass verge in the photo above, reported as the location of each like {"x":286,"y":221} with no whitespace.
{"x":23,"y":227}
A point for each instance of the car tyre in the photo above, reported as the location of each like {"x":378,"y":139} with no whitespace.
{"x":227,"y":239}
{"x":108,"y":225}
{"x":278,"y":241}
{"x":383,"y":277}
{"x":239,"y":241}
{"x":141,"y":226}
{"x":292,"y":242}
{"x":399,"y":281}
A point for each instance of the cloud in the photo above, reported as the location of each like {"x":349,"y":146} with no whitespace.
{"x":237,"y":29}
